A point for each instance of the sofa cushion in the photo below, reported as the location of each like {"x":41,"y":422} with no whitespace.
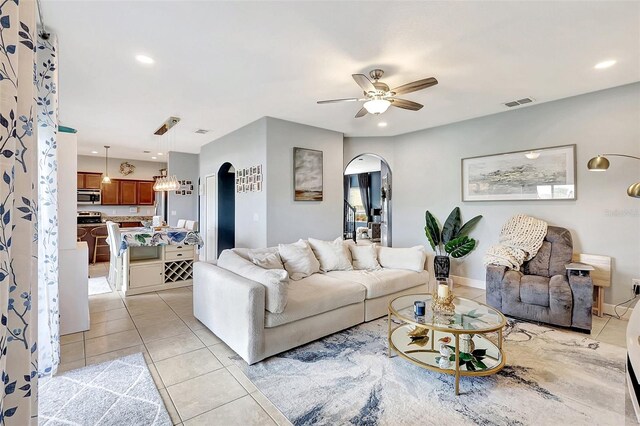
{"x":275,"y":281}
{"x":298,"y":259}
{"x":383,"y":281}
{"x":314,"y":295}
{"x":365,"y":257}
{"x":332,"y":255}
{"x":534,"y":290}
{"x":402,"y":258}
{"x":267,"y":260}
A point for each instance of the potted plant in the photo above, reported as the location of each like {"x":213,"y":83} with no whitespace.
{"x":451,"y":241}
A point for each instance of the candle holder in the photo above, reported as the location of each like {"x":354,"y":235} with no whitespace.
{"x":443,"y":305}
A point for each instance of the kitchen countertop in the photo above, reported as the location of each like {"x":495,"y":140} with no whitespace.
{"x":118,"y":219}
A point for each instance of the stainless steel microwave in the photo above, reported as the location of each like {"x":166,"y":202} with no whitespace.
{"x":89,"y":196}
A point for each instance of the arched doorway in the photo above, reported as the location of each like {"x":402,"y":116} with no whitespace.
{"x":226,"y":207}
{"x":367,"y":190}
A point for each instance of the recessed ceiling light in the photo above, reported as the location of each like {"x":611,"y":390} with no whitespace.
{"x":143,"y":59}
{"x":160,"y":153}
{"x":382,"y":124}
{"x":605,"y":64}
{"x":94,"y":152}
{"x":154,"y":158}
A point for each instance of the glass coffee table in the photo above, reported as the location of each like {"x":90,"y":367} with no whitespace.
{"x":418,"y":339}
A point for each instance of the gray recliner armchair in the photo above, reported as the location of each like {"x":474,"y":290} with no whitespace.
{"x":544,"y":290}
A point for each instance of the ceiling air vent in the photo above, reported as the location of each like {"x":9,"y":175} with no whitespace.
{"x":522,"y":101}
{"x":201,"y":131}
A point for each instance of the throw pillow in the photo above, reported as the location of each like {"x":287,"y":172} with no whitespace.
{"x":331,"y":254}
{"x":298,"y":259}
{"x":275,"y":281}
{"x":266,"y":258}
{"x":402,"y":258}
{"x":364,"y":257}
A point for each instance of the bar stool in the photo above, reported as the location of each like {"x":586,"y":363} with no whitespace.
{"x":82,"y":232}
{"x":99,"y":233}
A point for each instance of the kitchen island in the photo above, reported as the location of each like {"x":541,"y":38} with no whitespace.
{"x":157,"y":260}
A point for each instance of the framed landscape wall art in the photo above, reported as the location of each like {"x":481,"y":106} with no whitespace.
{"x":540,"y":174}
{"x":307,"y":174}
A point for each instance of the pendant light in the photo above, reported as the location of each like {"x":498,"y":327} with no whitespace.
{"x":106,"y":178}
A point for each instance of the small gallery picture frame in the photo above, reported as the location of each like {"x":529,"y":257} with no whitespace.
{"x":183,"y":192}
{"x":189,"y":192}
{"x":189,"y":183}
{"x":258,"y":178}
{"x":250,"y":179}
{"x":239,"y":188}
{"x":247,"y":187}
{"x":190,"y":186}
{"x":259,"y":167}
{"x":258,"y":186}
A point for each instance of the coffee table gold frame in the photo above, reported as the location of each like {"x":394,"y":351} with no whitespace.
{"x":457,"y":372}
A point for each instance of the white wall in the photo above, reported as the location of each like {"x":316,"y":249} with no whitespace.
{"x":242,"y":148}
{"x":603,"y":220}
{"x":185,"y":167}
{"x":145,"y":170}
{"x":290,"y":220}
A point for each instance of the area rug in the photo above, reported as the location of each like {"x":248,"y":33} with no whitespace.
{"x":99,"y":285}
{"x":551,"y":377}
{"x":118,"y":392}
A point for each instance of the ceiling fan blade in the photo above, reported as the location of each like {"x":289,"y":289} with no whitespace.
{"x":415,"y":86}
{"x":331,"y":101}
{"x":405,"y":104}
{"x":364,"y":82}
{"x":363,"y":111}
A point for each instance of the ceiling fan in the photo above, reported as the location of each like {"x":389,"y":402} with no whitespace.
{"x":378,"y":96}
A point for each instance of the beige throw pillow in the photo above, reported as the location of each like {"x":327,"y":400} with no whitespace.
{"x":365,"y":257}
{"x":333,"y":255}
{"x":266,"y":258}
{"x":298,"y":259}
{"x":402,"y":258}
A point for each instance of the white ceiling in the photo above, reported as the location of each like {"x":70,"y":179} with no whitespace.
{"x":363,"y":164}
{"x":221,"y":65}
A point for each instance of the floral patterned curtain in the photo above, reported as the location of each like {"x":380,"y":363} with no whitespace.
{"x":47,"y":118}
{"x":18,"y":211}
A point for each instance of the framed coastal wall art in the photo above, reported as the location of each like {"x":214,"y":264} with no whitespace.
{"x":307,"y":174}
{"x":539,"y":174}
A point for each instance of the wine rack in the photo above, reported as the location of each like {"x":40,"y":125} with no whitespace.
{"x":180,"y":270}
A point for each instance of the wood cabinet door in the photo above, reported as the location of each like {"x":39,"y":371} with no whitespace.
{"x":146,"y":194}
{"x":128,"y":192}
{"x":92,"y":180}
{"x":80,"y":180}
{"x":111,"y":193}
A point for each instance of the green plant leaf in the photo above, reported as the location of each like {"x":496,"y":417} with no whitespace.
{"x":432,"y":230}
{"x":465,"y":356}
{"x":470,"y":366}
{"x":481,"y":365}
{"x":451,"y":226}
{"x":467,"y":227}
{"x":460,"y":247}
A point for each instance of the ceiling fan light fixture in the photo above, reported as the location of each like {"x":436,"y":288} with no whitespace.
{"x":377,"y":106}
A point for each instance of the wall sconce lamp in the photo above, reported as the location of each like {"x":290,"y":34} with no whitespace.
{"x":601,"y":164}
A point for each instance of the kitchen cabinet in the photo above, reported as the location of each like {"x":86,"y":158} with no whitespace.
{"x":111,"y":193}
{"x":128,"y":192}
{"x":146,"y":194}
{"x":87,"y":180}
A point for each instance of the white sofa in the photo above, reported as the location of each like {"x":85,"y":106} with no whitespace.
{"x":233,"y":307}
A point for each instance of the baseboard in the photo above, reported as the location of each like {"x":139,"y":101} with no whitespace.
{"x":468,"y":282}
{"x":608,"y":309}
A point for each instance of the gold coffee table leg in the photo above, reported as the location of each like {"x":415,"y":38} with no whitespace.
{"x":389,"y":335}
{"x":500,"y":340}
{"x":457,"y":361}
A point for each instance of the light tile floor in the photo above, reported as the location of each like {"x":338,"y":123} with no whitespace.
{"x":180,"y":352}
{"x":196,"y":386}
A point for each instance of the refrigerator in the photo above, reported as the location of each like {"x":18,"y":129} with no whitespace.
{"x":161,"y":205}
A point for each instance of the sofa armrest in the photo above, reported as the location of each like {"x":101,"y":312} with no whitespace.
{"x":582,"y":289}
{"x":493,"y":284}
{"x":232,"y":307}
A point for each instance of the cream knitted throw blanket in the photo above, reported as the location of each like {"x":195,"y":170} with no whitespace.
{"x":520,"y":239}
